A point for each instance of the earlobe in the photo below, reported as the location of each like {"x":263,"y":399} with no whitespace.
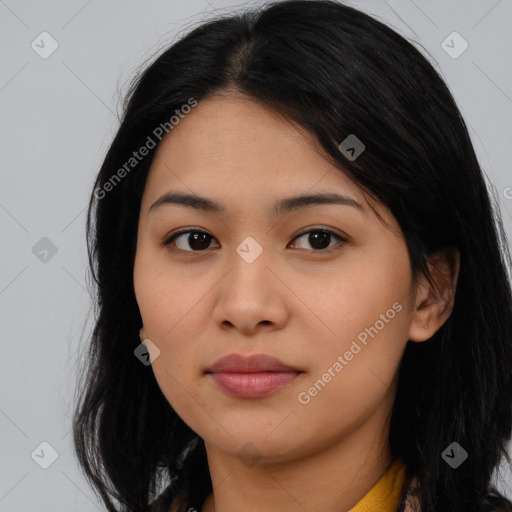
{"x":142,"y":334}
{"x":435,"y":299}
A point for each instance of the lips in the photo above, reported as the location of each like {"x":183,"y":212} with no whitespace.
{"x":252,"y":376}
{"x":237,"y":363}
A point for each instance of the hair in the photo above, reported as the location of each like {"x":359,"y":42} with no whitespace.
{"x":334,"y":71}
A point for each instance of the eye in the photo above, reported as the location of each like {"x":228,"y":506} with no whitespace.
{"x":198,"y":240}
{"x":318,"y":238}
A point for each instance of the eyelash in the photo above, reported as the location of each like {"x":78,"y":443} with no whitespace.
{"x":341,"y":243}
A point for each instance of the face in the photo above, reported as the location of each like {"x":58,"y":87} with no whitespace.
{"x":325,"y":287}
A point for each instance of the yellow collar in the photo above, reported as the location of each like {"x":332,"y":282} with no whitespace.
{"x":386,"y":494}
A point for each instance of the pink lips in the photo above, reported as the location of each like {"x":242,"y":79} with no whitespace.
{"x":252,"y":376}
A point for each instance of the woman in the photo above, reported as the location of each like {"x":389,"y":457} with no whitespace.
{"x":342,"y":338}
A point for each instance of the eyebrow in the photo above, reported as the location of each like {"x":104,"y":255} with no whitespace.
{"x":281,"y":207}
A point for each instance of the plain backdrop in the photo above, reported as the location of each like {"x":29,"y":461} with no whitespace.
{"x":59,"y":113}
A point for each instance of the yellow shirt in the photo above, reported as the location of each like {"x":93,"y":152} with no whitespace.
{"x":386,"y":494}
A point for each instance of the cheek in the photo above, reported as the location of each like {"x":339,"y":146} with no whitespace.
{"x":167,"y":299}
{"x":363,"y":291}
{"x":352,"y":374}
{"x":366,"y":310}
{"x":170,"y":309}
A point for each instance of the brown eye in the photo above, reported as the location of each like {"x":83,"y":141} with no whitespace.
{"x":195,"y":239}
{"x":319,"y":239}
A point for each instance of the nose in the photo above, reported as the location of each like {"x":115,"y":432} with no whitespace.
{"x":252,"y":296}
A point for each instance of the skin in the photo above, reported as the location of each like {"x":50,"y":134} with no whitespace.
{"x":301,"y":304}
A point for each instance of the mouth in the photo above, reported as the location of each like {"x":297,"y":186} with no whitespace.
{"x":253,"y":376}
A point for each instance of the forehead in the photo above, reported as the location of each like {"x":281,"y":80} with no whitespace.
{"x":233,"y":145}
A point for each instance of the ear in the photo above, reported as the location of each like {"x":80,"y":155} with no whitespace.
{"x":434,"y":301}
{"x":142,"y":334}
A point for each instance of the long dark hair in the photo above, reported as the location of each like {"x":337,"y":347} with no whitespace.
{"x":336,"y":71}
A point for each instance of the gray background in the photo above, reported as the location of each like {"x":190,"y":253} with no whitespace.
{"x":58,"y":116}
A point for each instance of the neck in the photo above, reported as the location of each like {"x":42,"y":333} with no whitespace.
{"x":334,"y":478}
